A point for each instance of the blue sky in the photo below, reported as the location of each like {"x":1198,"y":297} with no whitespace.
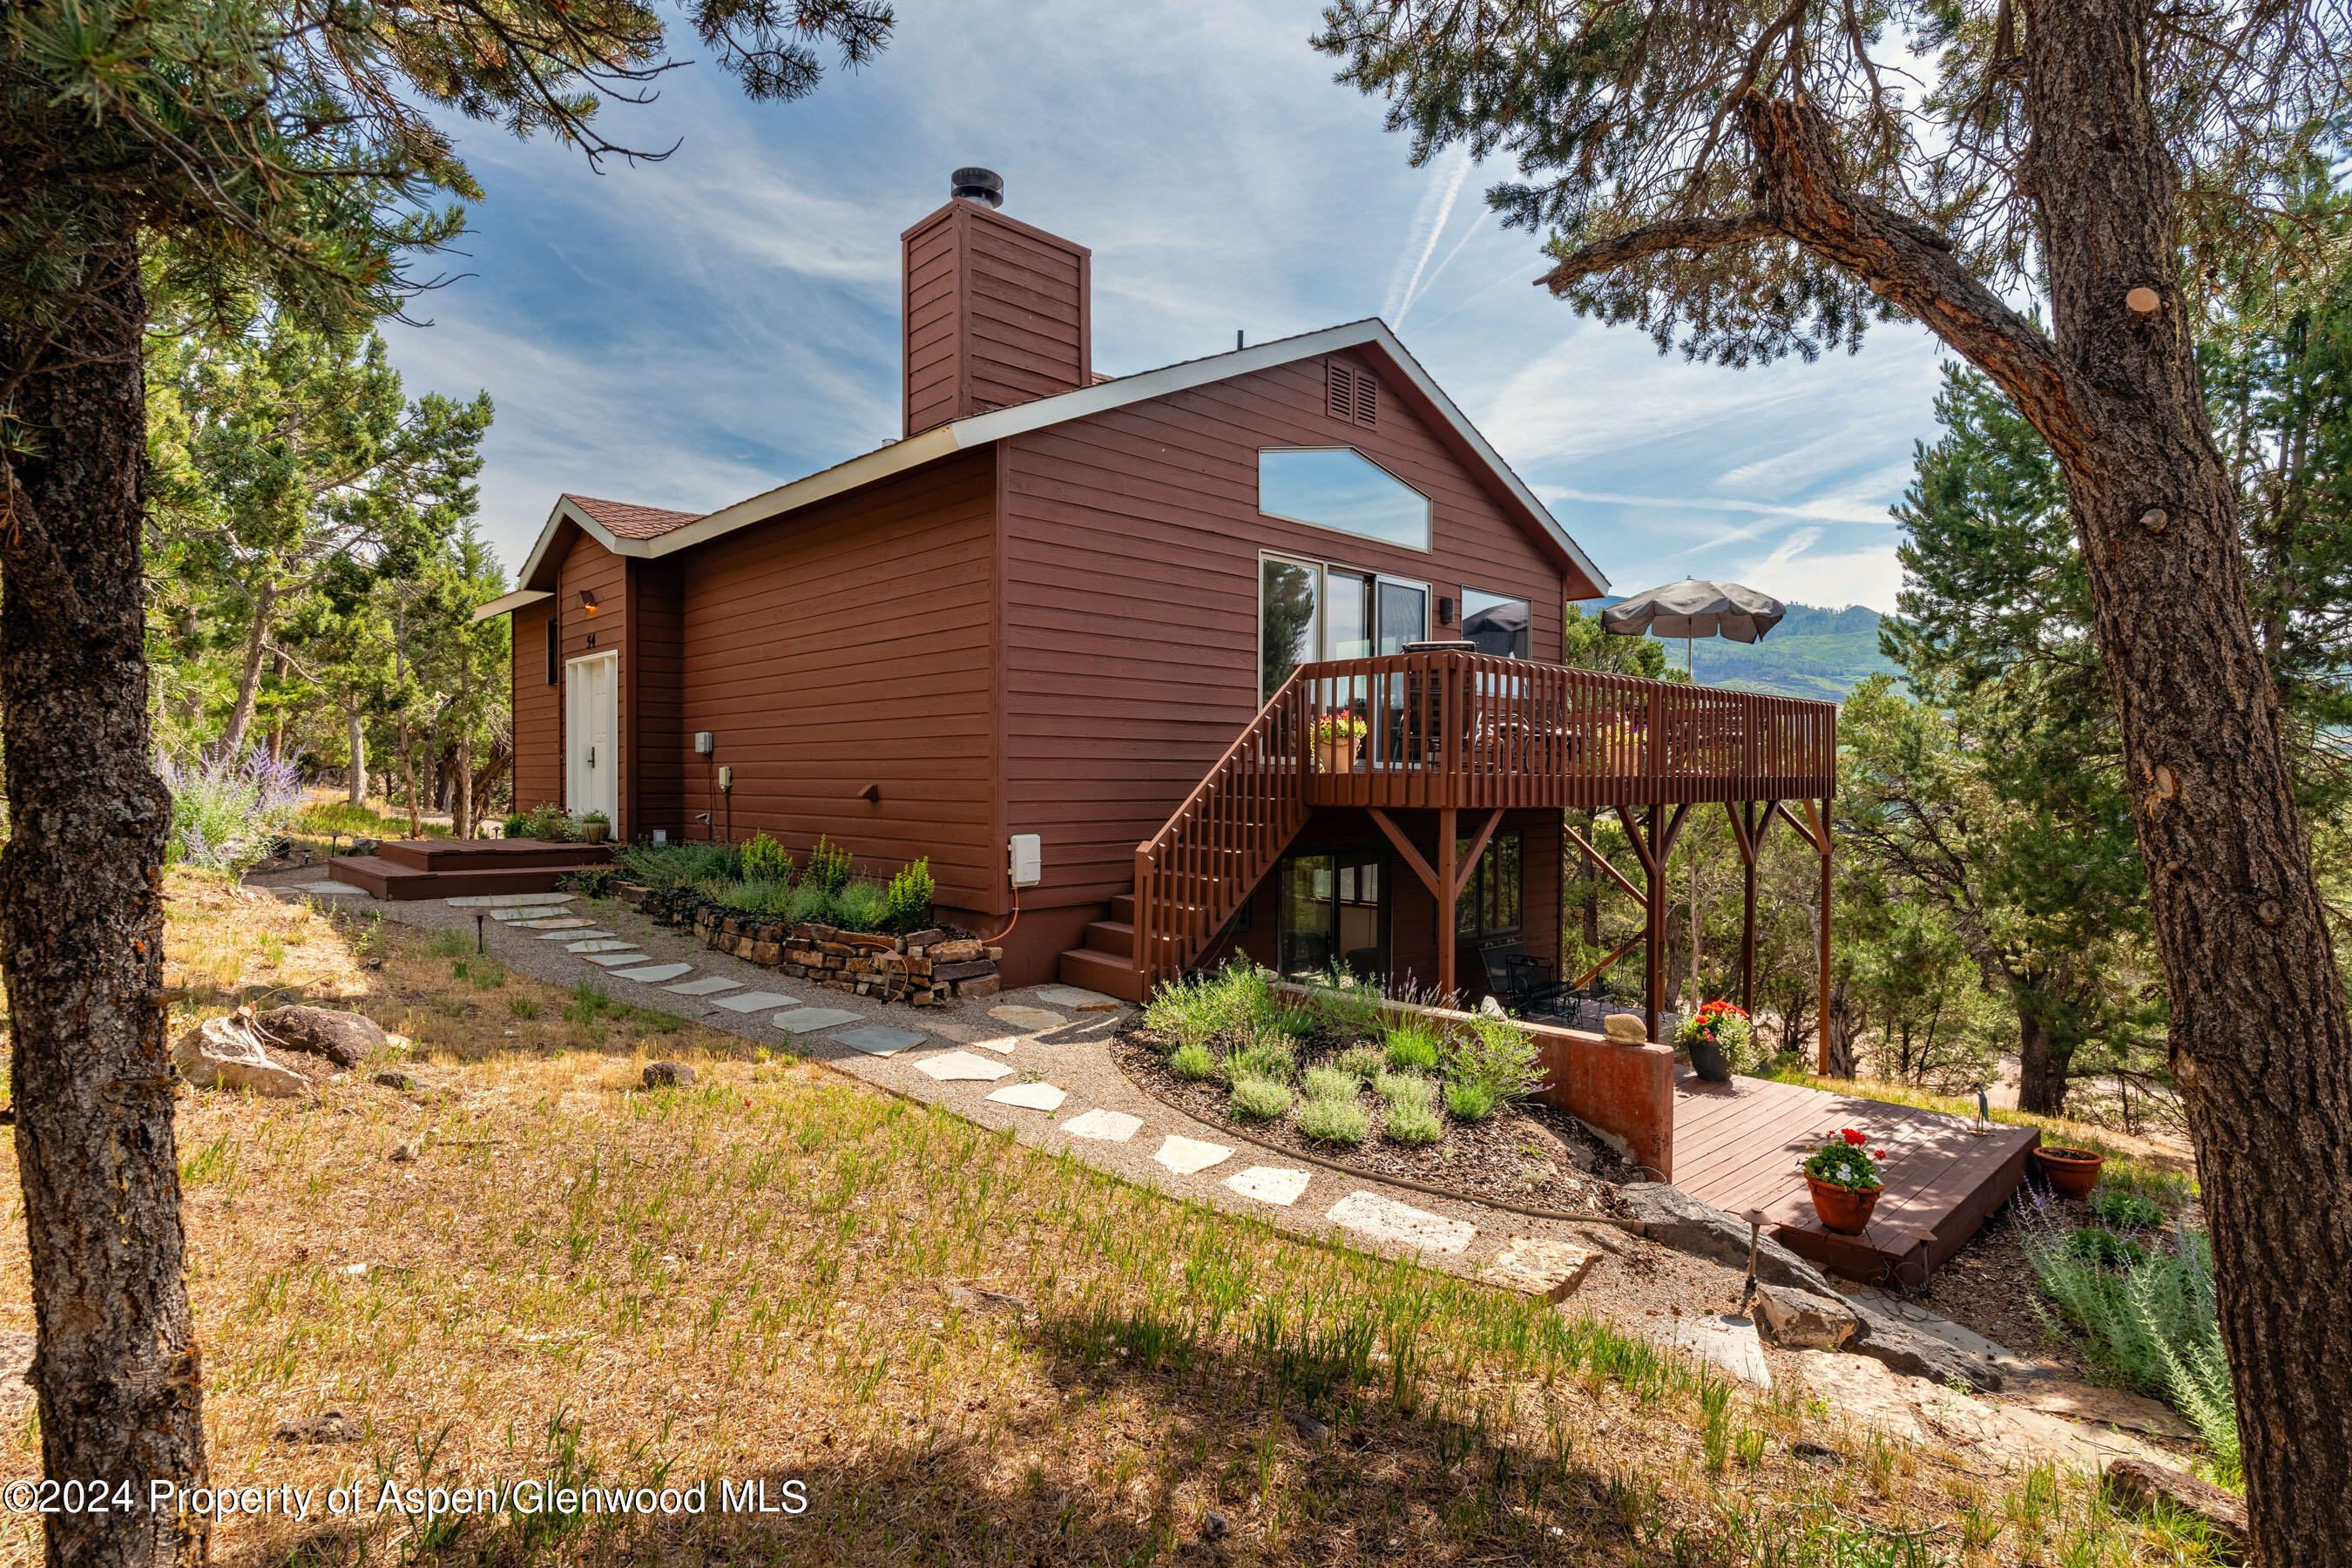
{"x":687,"y":333}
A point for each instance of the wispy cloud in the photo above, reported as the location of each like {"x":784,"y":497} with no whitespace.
{"x":1429,"y":227}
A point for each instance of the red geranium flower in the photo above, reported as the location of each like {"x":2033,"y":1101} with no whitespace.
{"x":1850,"y":1136}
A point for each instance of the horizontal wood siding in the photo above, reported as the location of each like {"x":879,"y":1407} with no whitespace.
{"x":932,"y":308}
{"x":850,"y":646}
{"x":1130,"y":636}
{"x":657,"y":620}
{"x":589,"y":567}
{"x":538,"y":711}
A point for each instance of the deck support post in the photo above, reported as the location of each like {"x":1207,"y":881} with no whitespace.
{"x":1449,"y":883}
{"x":1655,"y":848}
{"x":1828,"y":1058}
{"x":1744,"y":833}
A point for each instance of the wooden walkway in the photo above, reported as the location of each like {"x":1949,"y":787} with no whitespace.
{"x":1741,"y":1145}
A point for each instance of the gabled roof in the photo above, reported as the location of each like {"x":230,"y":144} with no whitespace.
{"x":962,"y":434}
{"x":631,"y":521}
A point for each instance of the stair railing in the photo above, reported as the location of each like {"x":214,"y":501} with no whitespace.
{"x":1192,"y":874}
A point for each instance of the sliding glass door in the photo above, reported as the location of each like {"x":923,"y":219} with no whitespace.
{"x":1310,"y":610}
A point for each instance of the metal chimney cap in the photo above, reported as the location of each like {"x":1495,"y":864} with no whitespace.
{"x":986,"y":185}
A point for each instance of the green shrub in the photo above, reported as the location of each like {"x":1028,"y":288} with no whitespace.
{"x":809,"y":904}
{"x":828,"y":865}
{"x":1191,"y":1062}
{"x":1350,"y":1005}
{"x":1363,"y":1063}
{"x":752,"y":898}
{"x":1273,"y":1058}
{"x":2121,"y":1210}
{"x":1328,"y":1083}
{"x":680,"y":865}
{"x":546,"y":820}
{"x":765,"y":860}
{"x":862,"y":905}
{"x":1404,"y":1088}
{"x":1296,"y":1022}
{"x":2096,"y":1243}
{"x":1413,"y":1121}
{"x":1497,"y":1058}
{"x":911,"y":891}
{"x":1469,"y":1100}
{"x":1414,"y":1046}
{"x":1259,"y":1099}
{"x":1189,"y":1011}
{"x":1334,"y":1121}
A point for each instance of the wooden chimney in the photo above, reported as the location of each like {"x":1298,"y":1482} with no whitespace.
{"x":996,"y":312}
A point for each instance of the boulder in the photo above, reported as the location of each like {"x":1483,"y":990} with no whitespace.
{"x":345,"y":1039}
{"x":1626,"y":1028}
{"x":669,"y":1075}
{"x":1672,"y":1217}
{"x":1916,"y":1353}
{"x":1797,"y":1319}
{"x":222,"y":1053}
{"x":2138,"y":1484}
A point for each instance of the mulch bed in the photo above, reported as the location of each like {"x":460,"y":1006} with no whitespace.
{"x":1528,"y":1154}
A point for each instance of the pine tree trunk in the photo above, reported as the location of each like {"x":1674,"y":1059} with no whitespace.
{"x":356,"y":790}
{"x":464,"y":815}
{"x":2261,"y":1044}
{"x":2041,"y":1065}
{"x":248,"y":676}
{"x":81,"y":930}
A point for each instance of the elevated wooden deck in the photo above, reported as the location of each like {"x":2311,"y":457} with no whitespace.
{"x":406,"y":868}
{"x":1739,"y":1145}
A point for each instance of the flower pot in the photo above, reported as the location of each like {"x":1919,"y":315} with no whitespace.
{"x":2074,"y":1171}
{"x":1707,"y":1060}
{"x":1842,"y":1209}
{"x":594,"y":832}
{"x":1337,"y":756}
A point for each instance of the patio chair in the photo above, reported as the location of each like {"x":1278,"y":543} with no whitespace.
{"x":1523,"y":981}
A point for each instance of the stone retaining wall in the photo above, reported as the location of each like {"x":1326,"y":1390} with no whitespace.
{"x":927,"y":968}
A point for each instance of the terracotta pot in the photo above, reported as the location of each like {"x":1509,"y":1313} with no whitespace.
{"x":1842,"y":1209}
{"x":594,"y":832}
{"x":1709,"y":1062}
{"x":1337,"y":756}
{"x":2074,"y":1171}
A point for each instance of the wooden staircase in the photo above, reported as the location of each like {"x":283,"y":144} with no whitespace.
{"x":1193,"y":875}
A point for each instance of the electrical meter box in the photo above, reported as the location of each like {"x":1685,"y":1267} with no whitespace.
{"x":1027,"y":859}
{"x":702,"y":743}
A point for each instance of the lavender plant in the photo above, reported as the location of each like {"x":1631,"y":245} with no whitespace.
{"x":227,"y":810}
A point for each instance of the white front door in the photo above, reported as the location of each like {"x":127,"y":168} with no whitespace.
{"x":591,"y":777}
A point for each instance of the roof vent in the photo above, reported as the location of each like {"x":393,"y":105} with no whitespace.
{"x":984,"y":185}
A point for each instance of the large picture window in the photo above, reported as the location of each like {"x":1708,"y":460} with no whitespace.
{"x":1503,"y":627}
{"x":1340,"y":488}
{"x":1308,"y":611}
{"x":1490,"y":905}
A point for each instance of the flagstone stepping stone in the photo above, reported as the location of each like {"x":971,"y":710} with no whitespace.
{"x":1079,"y":999}
{"x":558,"y":922}
{"x":1385,"y":1219}
{"x":1002,"y":1045}
{"x":709,"y":986}
{"x":1104,"y":1126}
{"x":1031,"y":1020}
{"x":801,"y":1020}
{"x":1729,"y":1345}
{"x":1031,"y":1096}
{"x":755,"y":1001}
{"x":332,"y":889}
{"x":874,"y":1039}
{"x":1552,"y":1269}
{"x":600,"y":944}
{"x":610,"y":960}
{"x":950,"y":1066}
{"x":515,"y":917}
{"x":1275,"y":1185}
{"x":574,"y":935}
{"x":655,"y":973}
{"x":508,"y":900}
{"x":1186,"y":1155}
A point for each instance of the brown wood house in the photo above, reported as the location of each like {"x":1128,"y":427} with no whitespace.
{"x":1132,"y":660}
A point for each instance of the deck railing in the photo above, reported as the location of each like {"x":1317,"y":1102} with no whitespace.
{"x":1433,"y":730}
{"x":1470,"y":731}
{"x":1192,"y":874}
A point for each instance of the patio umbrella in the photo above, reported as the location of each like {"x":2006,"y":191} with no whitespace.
{"x":1689,"y":609}
{"x":1695,"y":608}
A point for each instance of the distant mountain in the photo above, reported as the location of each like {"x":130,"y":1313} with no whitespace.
{"x":1817,"y":653}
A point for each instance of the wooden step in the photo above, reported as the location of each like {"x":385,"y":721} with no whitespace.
{"x":1103,"y":971}
{"x":487,"y":854}
{"x":1114,"y":937}
{"x":388,"y":880}
{"x":1122,"y":908}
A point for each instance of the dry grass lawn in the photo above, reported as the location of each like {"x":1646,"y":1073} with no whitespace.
{"x":964,"y":1350}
